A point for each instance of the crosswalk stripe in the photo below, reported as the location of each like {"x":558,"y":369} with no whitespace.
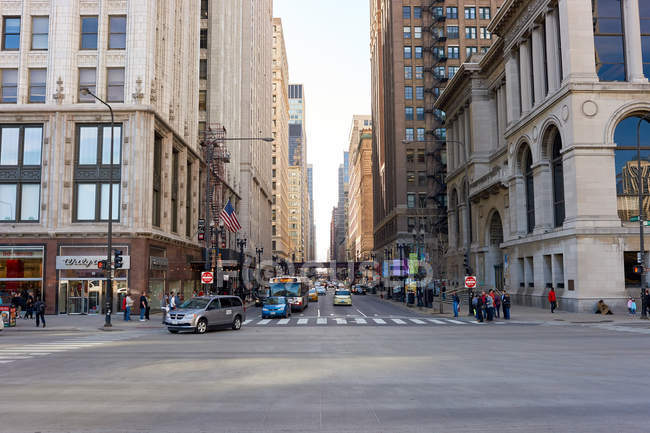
{"x":321,"y":321}
{"x":360,"y":321}
{"x":15,"y":357}
{"x":437,"y":322}
{"x":283,"y":321}
{"x":399,"y":321}
{"x":458,"y":322}
{"x":247,"y":321}
{"x":379,"y":321}
{"x":5,"y":362}
{"x":302,"y":321}
{"x":264,"y":322}
{"x":340,"y":321}
{"x":418,"y":321}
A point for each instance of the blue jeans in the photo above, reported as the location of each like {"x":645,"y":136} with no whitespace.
{"x":127,"y":314}
{"x":455,"y":309}
{"x":506,"y":312}
{"x":142,"y":309}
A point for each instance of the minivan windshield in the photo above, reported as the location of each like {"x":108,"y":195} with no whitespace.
{"x":276,"y":300}
{"x":195,"y":303}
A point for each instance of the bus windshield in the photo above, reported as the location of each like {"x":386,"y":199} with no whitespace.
{"x":285,"y":289}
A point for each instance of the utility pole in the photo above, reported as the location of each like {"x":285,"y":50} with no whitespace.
{"x":241,"y":243}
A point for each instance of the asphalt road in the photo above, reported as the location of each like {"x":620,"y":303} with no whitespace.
{"x":456,"y":378}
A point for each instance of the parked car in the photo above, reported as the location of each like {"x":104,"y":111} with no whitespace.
{"x":202,"y":313}
{"x":276,"y":306}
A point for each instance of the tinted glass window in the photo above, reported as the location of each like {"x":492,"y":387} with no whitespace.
{"x":627,"y":168}
{"x":236,"y":302}
{"x":11,"y":37}
{"x":88,"y":33}
{"x":226,"y":302}
{"x":608,"y":40}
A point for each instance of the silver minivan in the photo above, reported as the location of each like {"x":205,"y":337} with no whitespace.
{"x":207,"y":312}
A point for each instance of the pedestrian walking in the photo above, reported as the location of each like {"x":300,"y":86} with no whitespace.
{"x":631,"y":306}
{"x":164,"y":306}
{"x":646,"y":302}
{"x":172,"y":301}
{"x":475,"y":305}
{"x":39,"y":307}
{"x":124,"y":307}
{"x":456,"y":304}
{"x":505,"y":302}
{"x":148,"y":309}
{"x":29,"y":307}
{"x":489,"y":307}
{"x":144,"y":304}
{"x":129,"y":303}
{"x":479,"y":308}
{"x":552,"y":299}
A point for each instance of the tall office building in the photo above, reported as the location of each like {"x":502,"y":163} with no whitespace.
{"x":142,"y":57}
{"x":299,"y":221}
{"x":340,"y":223}
{"x":280,"y":156}
{"x":311,"y":248}
{"x":415,"y":50}
{"x":359,"y":235}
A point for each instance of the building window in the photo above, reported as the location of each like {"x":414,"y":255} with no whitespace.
{"x":203,"y":41}
{"x":422,"y":200}
{"x":419,"y":92}
{"x":174,"y":194}
{"x":116,"y":32}
{"x":470,"y":32}
{"x":408,"y":113}
{"x":419,"y":113}
{"x":410,"y":177}
{"x":470,"y":13}
{"x":203,"y":94}
{"x":626,"y":164}
{"x":37,"y":80}
{"x":40,"y":27}
{"x":644,"y":13}
{"x":530,"y":190}
{"x":409,"y":156}
{"x":115,"y":85}
{"x":608,"y":40}
{"x":418,"y":52}
{"x":406,"y":12}
{"x":89,"y":33}
{"x":20,"y":147}
{"x":439,"y":72}
{"x":203,"y":69}
{"x":452,"y":52}
{"x":469,"y":51}
{"x":87,"y":80}
{"x":410,"y":200}
{"x":94,"y":145}
{"x":485,"y":34}
{"x":558,"y":181}
{"x":407,"y":52}
{"x":440,"y":133}
{"x":407,"y":32}
{"x":452,"y":32}
{"x":408,"y":72}
{"x":408,"y":92}
{"x":452,"y":12}
{"x":204,"y":8}
{"x":408,"y":136}
{"x":420,"y":156}
{"x":484,"y":13}
{"x":452,"y":71}
{"x":417,"y":32}
{"x":11,"y":34}
{"x":422,"y":178}
{"x":420,"y":135}
{"x":419,"y":72}
{"x":417,"y":12}
{"x":157,"y":181}
{"x":9,"y":86}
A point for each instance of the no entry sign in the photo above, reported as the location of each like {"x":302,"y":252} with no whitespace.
{"x":207,"y":277}
{"x":470,"y":282}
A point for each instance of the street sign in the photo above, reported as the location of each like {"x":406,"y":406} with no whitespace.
{"x":207,"y":277}
{"x":470,"y":282}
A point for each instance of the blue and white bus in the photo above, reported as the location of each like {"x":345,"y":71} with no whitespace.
{"x":295,"y":289}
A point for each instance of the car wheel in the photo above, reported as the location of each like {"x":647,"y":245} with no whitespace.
{"x":236,"y":324}
{"x":202,"y":326}
{"x":173,"y":331}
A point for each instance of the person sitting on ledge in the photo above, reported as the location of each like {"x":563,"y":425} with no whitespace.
{"x":602,"y":308}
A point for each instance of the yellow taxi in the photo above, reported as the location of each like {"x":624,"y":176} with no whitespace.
{"x":342,"y":297}
{"x":313,"y":295}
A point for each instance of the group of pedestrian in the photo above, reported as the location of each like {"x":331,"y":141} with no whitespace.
{"x":28,"y":307}
{"x":488,"y":306}
{"x":144,"y":304}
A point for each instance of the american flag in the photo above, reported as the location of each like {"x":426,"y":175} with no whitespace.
{"x":229,"y":218}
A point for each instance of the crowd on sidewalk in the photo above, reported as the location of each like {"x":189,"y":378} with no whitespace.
{"x":28,"y":307}
{"x":488,"y":306}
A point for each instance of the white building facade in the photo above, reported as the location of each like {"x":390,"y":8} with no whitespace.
{"x":541,"y":152}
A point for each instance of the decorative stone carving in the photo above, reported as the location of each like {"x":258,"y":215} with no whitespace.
{"x":89,"y":60}
{"x":523,"y":20}
{"x":535,"y":132}
{"x":589,"y":108}
{"x":59,"y":95}
{"x":565,"y":113}
{"x":138,"y":94}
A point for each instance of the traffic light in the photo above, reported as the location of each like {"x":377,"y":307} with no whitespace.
{"x":466,"y":264}
{"x":638,"y":269}
{"x":117,"y":259}
{"x":102,"y":264}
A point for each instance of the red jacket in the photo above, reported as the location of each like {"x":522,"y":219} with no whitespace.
{"x":551,"y":297}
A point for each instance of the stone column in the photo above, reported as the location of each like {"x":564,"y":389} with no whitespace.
{"x":553,"y":55}
{"x":526,"y":83}
{"x":633,"y":54}
{"x":461,"y":137}
{"x":502,"y":115}
{"x":467,"y":149}
{"x":513,"y":94}
{"x":462,"y":220}
{"x":451,"y":137}
{"x":577,"y":40}
{"x":539,"y":74}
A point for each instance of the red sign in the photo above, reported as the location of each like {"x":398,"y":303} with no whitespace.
{"x":470,"y":282}
{"x":207,"y":277}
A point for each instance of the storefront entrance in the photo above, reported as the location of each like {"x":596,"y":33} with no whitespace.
{"x":87,"y":296}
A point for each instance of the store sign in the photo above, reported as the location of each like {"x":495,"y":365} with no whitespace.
{"x":17,"y":253}
{"x":158,"y":262}
{"x":86,"y":262}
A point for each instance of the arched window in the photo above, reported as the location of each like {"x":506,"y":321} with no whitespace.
{"x":496,"y":230}
{"x":530,"y":190}
{"x":558,"y":180}
{"x":627,"y":165}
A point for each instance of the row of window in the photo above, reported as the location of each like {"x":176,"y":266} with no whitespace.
{"x":419,"y":92}
{"x":484,"y":12}
{"x":417,"y":32}
{"x":419,"y":113}
{"x":408,"y":72}
{"x":11,"y":26}
{"x":420,"y":176}
{"x":414,"y":200}
{"x":406,"y":12}
{"x":415,"y":155}
{"x":38,"y":78}
{"x":453,"y":51}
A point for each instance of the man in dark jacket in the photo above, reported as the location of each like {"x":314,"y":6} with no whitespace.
{"x":646,"y":302}
{"x":480,"y":304}
{"x":144,"y":304}
{"x":505,"y":303}
{"x":39,"y":308}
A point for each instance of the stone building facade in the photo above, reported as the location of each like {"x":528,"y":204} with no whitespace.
{"x":360,"y":199}
{"x":541,"y":146}
{"x":142,"y":57}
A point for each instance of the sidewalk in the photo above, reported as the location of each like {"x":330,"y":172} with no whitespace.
{"x":523,"y":314}
{"x":86,"y":323}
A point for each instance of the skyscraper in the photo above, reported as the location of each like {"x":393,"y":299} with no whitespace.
{"x":299,"y":224}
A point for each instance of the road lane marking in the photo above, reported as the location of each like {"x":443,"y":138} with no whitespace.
{"x":247,"y":321}
{"x":457,"y":322}
{"x":418,"y":321}
{"x":15,"y":357}
{"x":379,"y":321}
{"x":319,"y":312}
{"x":321,"y":321}
{"x":341,"y":321}
{"x":283,"y":321}
{"x":264,"y":322}
{"x":360,"y":312}
{"x":437,"y":322}
{"x":399,"y":321}
{"x":360,"y":321}
{"x":5,"y":362}
{"x":302,"y":321}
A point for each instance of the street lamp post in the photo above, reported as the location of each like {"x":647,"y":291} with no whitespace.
{"x":241,"y":243}
{"x":259,"y":252}
{"x":640,"y":188}
{"x":109,"y":265}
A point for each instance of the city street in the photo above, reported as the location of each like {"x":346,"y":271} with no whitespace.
{"x":336,"y":378}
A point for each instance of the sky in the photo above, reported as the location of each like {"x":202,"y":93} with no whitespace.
{"x":328,"y":51}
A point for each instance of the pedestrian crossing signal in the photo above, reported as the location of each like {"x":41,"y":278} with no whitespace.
{"x":638,"y":269}
{"x":102,"y":264}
